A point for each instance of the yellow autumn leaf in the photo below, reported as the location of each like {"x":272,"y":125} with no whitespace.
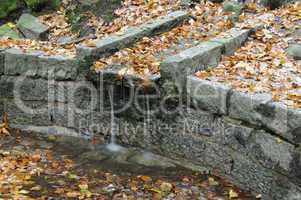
{"x":232,"y":194}
{"x":11,"y":25}
{"x":212,"y":182}
{"x":23,"y":192}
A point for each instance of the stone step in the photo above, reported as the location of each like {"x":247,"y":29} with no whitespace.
{"x":203,"y":56}
{"x":117,"y":41}
{"x":187,"y":61}
{"x":38,"y":65}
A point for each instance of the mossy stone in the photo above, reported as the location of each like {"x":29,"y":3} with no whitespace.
{"x":232,"y":7}
{"x":7,"y":31}
{"x":31,"y":27}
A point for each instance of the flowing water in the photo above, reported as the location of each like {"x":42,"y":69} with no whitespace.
{"x":146,"y":129}
{"x":113,"y":146}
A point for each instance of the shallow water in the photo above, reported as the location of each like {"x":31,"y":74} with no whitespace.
{"x":84,"y":169}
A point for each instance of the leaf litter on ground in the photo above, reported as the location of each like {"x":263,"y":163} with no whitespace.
{"x":261,"y":65}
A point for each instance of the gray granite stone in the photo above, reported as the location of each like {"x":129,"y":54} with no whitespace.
{"x":283,"y":120}
{"x":175,"y":69}
{"x":28,"y":112}
{"x":2,"y":109}
{"x":114,"y":42}
{"x":24,"y":88}
{"x":249,"y":107}
{"x":200,"y":57}
{"x":32,"y":28}
{"x":208,"y":95}
{"x":236,"y":135}
{"x":294,"y":51}
{"x":2,"y":61}
{"x":235,"y":39}
{"x":35,"y":64}
{"x":83,"y":94}
{"x":272,"y":152}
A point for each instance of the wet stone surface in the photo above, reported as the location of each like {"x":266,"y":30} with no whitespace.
{"x":61,"y":167}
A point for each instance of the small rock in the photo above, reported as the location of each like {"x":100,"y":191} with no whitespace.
{"x":93,"y":156}
{"x":186,"y":3}
{"x":65,"y":40}
{"x":32,"y":28}
{"x":7,"y":32}
{"x":294,"y":51}
{"x":151,"y":160}
{"x":232,"y":7}
{"x":109,"y":189}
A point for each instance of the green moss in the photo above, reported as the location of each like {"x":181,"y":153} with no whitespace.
{"x":7,"y":31}
{"x":77,"y":17}
{"x":37,"y":4}
{"x":55,"y":4}
{"x":7,"y":6}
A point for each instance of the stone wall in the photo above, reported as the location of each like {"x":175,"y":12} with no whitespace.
{"x":177,"y":115}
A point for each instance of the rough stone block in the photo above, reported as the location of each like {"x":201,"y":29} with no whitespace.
{"x":81,"y":94}
{"x":54,"y":130}
{"x":2,"y":110}
{"x":32,"y":28}
{"x":283,"y":120}
{"x":1,"y":61}
{"x":248,"y":173}
{"x":86,"y":119}
{"x":294,"y":124}
{"x":164,"y":23}
{"x":24,"y":88}
{"x":110,"y":43}
{"x":208,"y":95}
{"x":248,"y":107}
{"x":275,"y":154}
{"x":233,"y":40}
{"x":114,"y":42}
{"x":176,"y":68}
{"x":236,"y":135}
{"x":294,"y":51}
{"x":35,"y":64}
{"x":28,"y":112}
